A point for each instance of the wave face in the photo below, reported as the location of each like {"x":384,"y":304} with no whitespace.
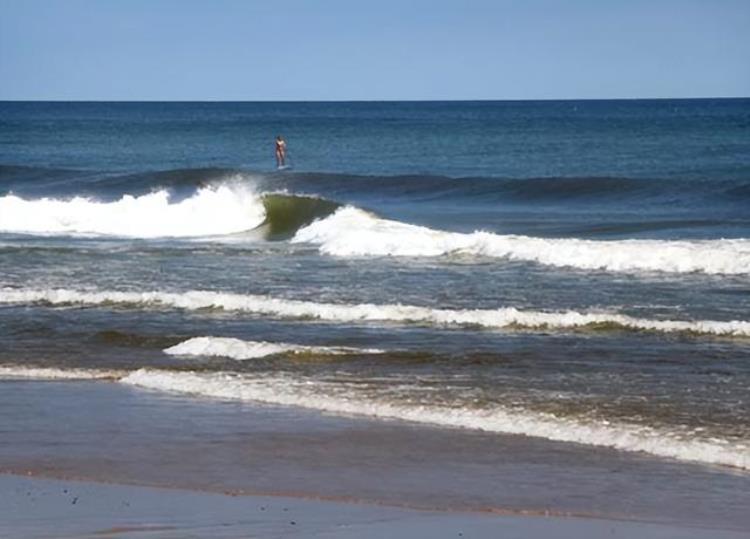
{"x":289,"y":391}
{"x":209,"y":211}
{"x":579,"y":190}
{"x":354,"y":232}
{"x":242,"y":350}
{"x":286,"y":214}
{"x":501,"y":318}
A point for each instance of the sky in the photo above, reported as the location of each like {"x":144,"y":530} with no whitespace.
{"x":300,"y":50}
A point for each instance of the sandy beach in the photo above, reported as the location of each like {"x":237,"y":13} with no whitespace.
{"x":43,"y":508}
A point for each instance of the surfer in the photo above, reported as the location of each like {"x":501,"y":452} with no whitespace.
{"x":280,"y":152}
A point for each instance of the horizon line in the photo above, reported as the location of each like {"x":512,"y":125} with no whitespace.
{"x":487,"y":100}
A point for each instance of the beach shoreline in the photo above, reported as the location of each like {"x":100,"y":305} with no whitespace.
{"x":122,"y":439}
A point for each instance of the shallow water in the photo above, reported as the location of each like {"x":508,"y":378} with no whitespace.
{"x":116,"y":433}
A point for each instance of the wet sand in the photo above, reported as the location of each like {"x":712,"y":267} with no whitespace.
{"x":342,"y":477}
{"x":42,"y":508}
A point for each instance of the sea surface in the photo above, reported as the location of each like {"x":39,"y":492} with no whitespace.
{"x":571,"y":270}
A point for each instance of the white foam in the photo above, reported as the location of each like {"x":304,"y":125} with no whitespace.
{"x":504,"y":317}
{"x":51,"y":373}
{"x":241,"y":350}
{"x":223,"y":209}
{"x":353,"y":232}
{"x":289,"y":391}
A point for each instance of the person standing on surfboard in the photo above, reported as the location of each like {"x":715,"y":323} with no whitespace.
{"x":280,"y":152}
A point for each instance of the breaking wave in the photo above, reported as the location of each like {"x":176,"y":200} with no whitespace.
{"x":233,"y":205}
{"x":289,"y":391}
{"x":353,"y":232}
{"x":8,"y":372}
{"x":242,"y":350}
{"x":286,"y":214}
{"x":209,"y":211}
{"x":500,"y":318}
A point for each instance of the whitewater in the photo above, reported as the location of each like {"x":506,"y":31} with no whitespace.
{"x":239,"y":349}
{"x":218,"y":210}
{"x":325,"y":397}
{"x":232,"y":207}
{"x":354,"y":232}
{"x":330,"y":397}
{"x":500,"y":318}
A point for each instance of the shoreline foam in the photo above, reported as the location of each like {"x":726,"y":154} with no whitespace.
{"x":287,"y":391}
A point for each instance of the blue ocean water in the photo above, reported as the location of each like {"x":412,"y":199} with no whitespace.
{"x":700,"y":139}
{"x":573,"y":270}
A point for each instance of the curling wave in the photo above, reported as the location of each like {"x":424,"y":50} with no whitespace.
{"x":286,"y":214}
{"x":233,"y":207}
{"x":501,"y":318}
{"x":290,"y":391}
{"x":242,"y":350}
{"x":353,"y":232}
{"x":211,"y":210}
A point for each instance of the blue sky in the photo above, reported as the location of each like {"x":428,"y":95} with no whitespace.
{"x":379,"y":49}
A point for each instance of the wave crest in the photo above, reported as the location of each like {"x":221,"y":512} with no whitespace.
{"x":242,"y":350}
{"x":209,"y":211}
{"x":353,"y":232}
{"x":500,"y":318}
{"x":226,"y":208}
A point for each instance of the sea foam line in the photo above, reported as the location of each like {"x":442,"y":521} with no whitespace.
{"x":14,"y":372}
{"x":242,"y":350}
{"x":288,"y":391}
{"x":351,"y":231}
{"x":505,"y":317}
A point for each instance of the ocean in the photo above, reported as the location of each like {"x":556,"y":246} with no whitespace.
{"x":576,"y":271}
